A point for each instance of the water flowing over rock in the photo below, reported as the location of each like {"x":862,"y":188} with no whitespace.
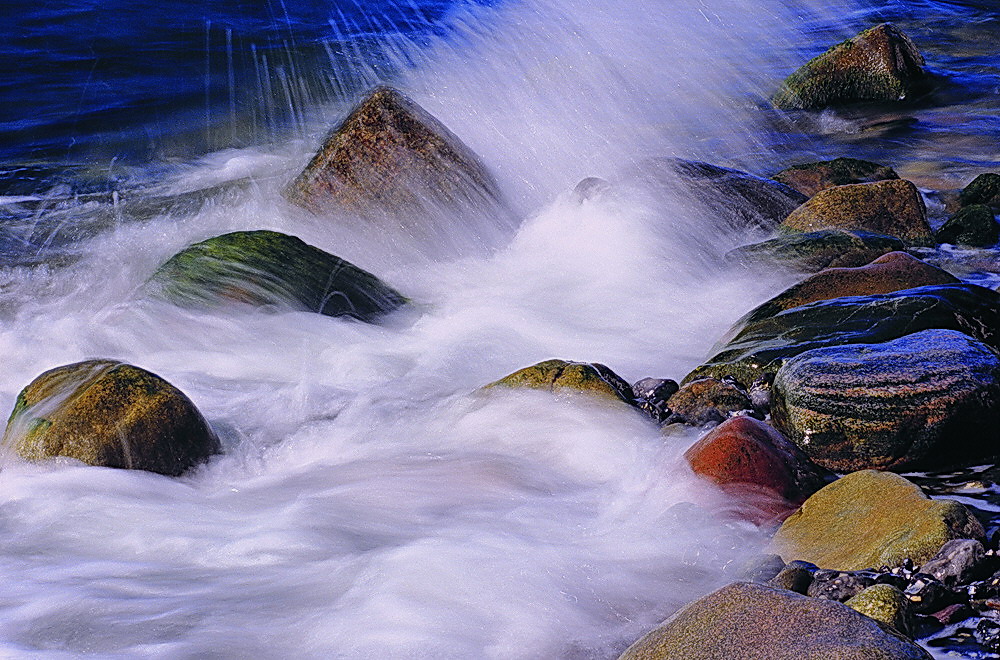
{"x":763,"y":346}
{"x":267,"y":268}
{"x":973,"y":225}
{"x":810,"y":178}
{"x":816,"y":250}
{"x":869,"y":519}
{"x":391,"y":156}
{"x":924,"y":401}
{"x":756,"y":622}
{"x":110,"y":414}
{"x":555,"y":375}
{"x":894,"y":208}
{"x":879,"y":64}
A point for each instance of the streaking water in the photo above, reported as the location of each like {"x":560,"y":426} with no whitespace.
{"x":369,"y":503}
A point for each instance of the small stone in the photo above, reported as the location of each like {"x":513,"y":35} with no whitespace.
{"x":651,"y":395}
{"x":988,"y":634}
{"x":927,"y":594}
{"x":839,"y":585}
{"x":706,"y":401}
{"x":797,"y":576}
{"x":957,"y":562}
{"x":761,"y":568}
{"x":953,"y":613}
{"x":887,"y":604}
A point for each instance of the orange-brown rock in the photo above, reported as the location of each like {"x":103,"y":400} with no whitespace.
{"x":810,"y":178}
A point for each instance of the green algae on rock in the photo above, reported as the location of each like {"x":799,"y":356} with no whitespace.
{"x":973,"y":225}
{"x":391,"y":155}
{"x":880,"y":64}
{"x":812,"y":251}
{"x":984,"y":189}
{"x":555,"y":375}
{"x":893,"y":208}
{"x":927,"y":400}
{"x":752,"y":621}
{"x":810,"y":178}
{"x":110,"y":414}
{"x":268,"y":268}
{"x":885,"y":603}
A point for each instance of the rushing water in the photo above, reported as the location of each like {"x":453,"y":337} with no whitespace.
{"x":368,"y":503}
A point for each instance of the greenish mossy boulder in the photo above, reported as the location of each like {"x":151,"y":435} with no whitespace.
{"x":267,"y":268}
{"x":556,"y":375}
{"x":894,"y":271}
{"x":885,"y":603}
{"x":869,"y":519}
{"x":816,"y":250}
{"x":390,"y":155}
{"x":763,"y":346}
{"x":928,"y":400}
{"x":752,"y":621}
{"x":984,"y":189}
{"x":973,"y":225}
{"x":893,"y":208}
{"x":810,"y":178}
{"x":110,"y":414}
{"x":880,"y":64}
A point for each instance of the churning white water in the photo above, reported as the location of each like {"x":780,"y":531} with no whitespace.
{"x":369,"y":503}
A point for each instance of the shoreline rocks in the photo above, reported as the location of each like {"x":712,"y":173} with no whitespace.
{"x":811,"y":178}
{"x":556,"y":375}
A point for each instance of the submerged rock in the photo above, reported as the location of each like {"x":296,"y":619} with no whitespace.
{"x":879,"y":64}
{"x":554,"y":375}
{"x":763,"y":346}
{"x":755,"y":622}
{"x":391,"y":155}
{"x":816,"y":250}
{"x":924,"y":401}
{"x":972,"y":225}
{"x":870,"y":519}
{"x":984,"y":189}
{"x":110,"y":414}
{"x":894,"y":208}
{"x":269,"y":268}
{"x":810,"y":178}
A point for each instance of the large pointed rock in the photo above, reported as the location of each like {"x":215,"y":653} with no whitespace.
{"x":110,"y":414}
{"x":879,"y":64}
{"x":268,"y":268}
{"x":391,"y":156}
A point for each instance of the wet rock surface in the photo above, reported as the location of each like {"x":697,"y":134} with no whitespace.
{"x":984,"y":189}
{"x":973,"y":225}
{"x":707,"y":401}
{"x":556,"y":375}
{"x":813,"y":251}
{"x":810,"y":178}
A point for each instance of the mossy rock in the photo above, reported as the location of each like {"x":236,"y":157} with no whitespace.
{"x":880,"y":64}
{"x":885,"y":603}
{"x":556,"y":375}
{"x":812,"y":251}
{"x":984,"y":189}
{"x":111,"y":414}
{"x":810,"y":178}
{"x":392,"y":156}
{"x":267,"y":268}
{"x":973,"y":226}
{"x":764,"y":345}
{"x":869,"y":519}
{"x":753,"y":621}
{"x":893,"y":208}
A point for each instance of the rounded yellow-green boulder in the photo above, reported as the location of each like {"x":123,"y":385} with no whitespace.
{"x":885,"y":603}
{"x":555,"y":375}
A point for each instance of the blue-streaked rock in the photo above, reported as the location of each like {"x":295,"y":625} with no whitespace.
{"x":926,"y":400}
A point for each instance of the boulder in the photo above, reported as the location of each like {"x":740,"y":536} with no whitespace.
{"x":110,"y":414}
{"x":973,"y":226}
{"x":885,"y":603}
{"x":958,"y":562}
{"x":757,"y":622}
{"x":762,"y":346}
{"x":706,"y":401}
{"x":267,"y":268}
{"x":810,"y":178}
{"x":880,"y":64}
{"x":816,"y":250}
{"x":556,"y":375}
{"x":927,"y":400}
{"x":869,"y":519}
{"x":984,"y":189}
{"x":795,"y":576}
{"x":757,"y":464}
{"x":391,"y":156}
{"x":894,"y":208}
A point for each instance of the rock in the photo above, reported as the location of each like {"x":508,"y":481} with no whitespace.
{"x":972,"y":225}
{"x":754,"y":462}
{"x":957,"y":562}
{"x":839,"y":585}
{"x":590,"y":188}
{"x":953,"y":614}
{"x":756,"y":622}
{"x":816,"y":250}
{"x":390,"y":155}
{"x":879,"y":64}
{"x":988,"y":634}
{"x":887,"y":604}
{"x":761,"y":568}
{"x":763,"y":346}
{"x":797,"y":576}
{"x":651,"y":395}
{"x":267,"y":268}
{"x":555,"y":375}
{"x":894,"y":271}
{"x":705,"y":401}
{"x":742,"y":200}
{"x":927,"y":400}
{"x":894,"y":208}
{"x":928,"y":594}
{"x":868,"y":519}
{"x":810,"y":178}
{"x":110,"y":414}
{"x":984,"y":189}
